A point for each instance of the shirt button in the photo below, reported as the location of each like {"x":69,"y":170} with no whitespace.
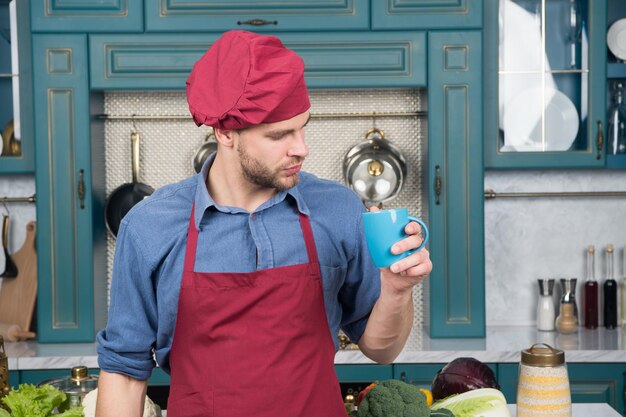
{"x":253,"y":217}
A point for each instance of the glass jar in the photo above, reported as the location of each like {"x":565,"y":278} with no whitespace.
{"x":76,"y":386}
{"x":543,"y":385}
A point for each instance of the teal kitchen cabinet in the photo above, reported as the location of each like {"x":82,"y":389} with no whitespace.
{"x":455,"y":172}
{"x":332,"y":60}
{"x":22,"y":161}
{"x":14,"y":379}
{"x":426,"y":14}
{"x":87,"y":15}
{"x":68,"y":217}
{"x":589,"y":383}
{"x":256,"y":15}
{"x":363,"y":373}
{"x":546,"y":108}
{"x":616,"y":73}
{"x":417,"y":374}
{"x":422,"y":374}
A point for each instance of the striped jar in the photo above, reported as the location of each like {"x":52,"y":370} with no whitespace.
{"x":543,"y":385}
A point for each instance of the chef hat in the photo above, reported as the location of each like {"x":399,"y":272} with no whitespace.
{"x":245,"y":79}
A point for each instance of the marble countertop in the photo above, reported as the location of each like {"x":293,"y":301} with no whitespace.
{"x":581,"y":410}
{"x":578,"y":410}
{"x":502,"y":344}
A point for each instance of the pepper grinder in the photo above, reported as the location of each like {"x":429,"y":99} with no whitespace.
{"x":545,"y":305}
{"x":567,"y":321}
{"x":568,"y":287}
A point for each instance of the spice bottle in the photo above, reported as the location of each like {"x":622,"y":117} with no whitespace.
{"x":543,"y":385}
{"x":545,"y":305}
{"x":609,"y":291}
{"x":566,"y":322}
{"x":591,"y":292}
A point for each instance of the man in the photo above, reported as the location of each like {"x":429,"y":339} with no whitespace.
{"x":237,"y":280}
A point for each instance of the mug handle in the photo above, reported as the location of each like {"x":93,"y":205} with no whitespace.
{"x":424,"y":228}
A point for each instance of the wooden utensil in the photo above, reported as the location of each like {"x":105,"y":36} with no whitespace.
{"x":18,"y":295}
{"x":13,"y":333}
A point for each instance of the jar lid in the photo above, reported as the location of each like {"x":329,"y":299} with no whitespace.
{"x":541,"y":354}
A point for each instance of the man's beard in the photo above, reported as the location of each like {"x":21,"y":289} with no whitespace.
{"x":259,"y":174}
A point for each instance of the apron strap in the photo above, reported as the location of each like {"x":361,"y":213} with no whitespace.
{"x":192,"y":242}
{"x":309,"y":241}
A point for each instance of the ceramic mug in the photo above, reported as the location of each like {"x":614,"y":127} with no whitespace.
{"x":383,"y":229}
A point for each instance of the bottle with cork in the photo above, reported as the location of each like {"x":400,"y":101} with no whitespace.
{"x":609,"y":292}
{"x":590,"y":300}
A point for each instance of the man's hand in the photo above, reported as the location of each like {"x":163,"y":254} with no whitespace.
{"x":406,"y":273}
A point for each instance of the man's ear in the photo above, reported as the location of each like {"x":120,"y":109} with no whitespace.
{"x":225,"y":137}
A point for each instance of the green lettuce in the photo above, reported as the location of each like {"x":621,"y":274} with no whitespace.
{"x":31,"y":401}
{"x":483,"y":402}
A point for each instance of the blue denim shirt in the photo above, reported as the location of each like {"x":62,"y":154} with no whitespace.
{"x":150,"y":251}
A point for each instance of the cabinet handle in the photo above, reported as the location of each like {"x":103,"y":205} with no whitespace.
{"x":257,"y":22}
{"x":81,"y":188}
{"x":600,"y":140}
{"x":437,"y":184}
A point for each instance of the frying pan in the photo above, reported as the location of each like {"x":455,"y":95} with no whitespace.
{"x":124,"y":197}
{"x":203,"y":152}
{"x":10,"y":269}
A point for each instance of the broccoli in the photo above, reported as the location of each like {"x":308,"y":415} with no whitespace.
{"x":394,"y":398}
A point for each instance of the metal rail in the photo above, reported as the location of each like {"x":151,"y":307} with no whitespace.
{"x":30,"y":199}
{"x":491,"y":194}
{"x":313,"y":115}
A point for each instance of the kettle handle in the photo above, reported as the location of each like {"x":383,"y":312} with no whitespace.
{"x":373,"y":130}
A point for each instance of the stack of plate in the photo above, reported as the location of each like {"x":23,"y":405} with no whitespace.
{"x":616,"y":39}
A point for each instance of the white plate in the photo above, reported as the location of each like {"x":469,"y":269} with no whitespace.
{"x":616,"y":39}
{"x":522,"y":121}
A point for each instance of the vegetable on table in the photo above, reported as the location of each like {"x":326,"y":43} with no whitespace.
{"x":481,"y":402}
{"x":462,"y":375}
{"x":31,"y":401}
{"x":394,"y":398}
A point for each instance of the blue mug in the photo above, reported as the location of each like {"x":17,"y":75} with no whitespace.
{"x":383,"y":229}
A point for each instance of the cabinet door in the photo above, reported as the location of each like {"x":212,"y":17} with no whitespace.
{"x":65,"y":212}
{"x":332,"y":60}
{"x":455,"y":167}
{"x":616,"y":74}
{"x":547,"y":106}
{"x":256,"y":15}
{"x":87,"y":15}
{"x":417,"y":374}
{"x":426,"y":14}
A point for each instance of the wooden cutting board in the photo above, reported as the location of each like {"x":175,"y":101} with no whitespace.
{"x":18,"y":295}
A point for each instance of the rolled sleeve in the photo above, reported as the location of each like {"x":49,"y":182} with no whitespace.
{"x":361,"y":288}
{"x":126,"y":345}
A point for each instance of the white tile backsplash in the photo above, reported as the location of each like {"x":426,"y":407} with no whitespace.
{"x":531,"y":238}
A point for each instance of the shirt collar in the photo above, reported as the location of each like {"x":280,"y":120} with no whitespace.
{"x":203,"y":199}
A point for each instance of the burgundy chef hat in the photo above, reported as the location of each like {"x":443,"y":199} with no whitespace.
{"x":245,"y":79}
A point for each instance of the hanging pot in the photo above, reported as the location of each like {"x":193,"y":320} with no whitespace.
{"x":203,"y":152}
{"x":10,"y":268}
{"x":124,"y":197}
{"x":375,"y":169}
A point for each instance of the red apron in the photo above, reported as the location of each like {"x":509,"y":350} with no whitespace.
{"x":253,"y":344}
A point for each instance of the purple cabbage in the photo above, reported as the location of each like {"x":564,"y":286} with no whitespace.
{"x":462,"y":375}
